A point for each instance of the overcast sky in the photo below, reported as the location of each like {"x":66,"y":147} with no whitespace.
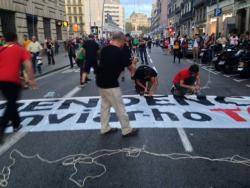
{"x":143,"y":6}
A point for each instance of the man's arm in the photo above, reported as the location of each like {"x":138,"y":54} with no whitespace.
{"x":141,"y":85}
{"x":29,"y":70}
{"x":198,"y":81}
{"x":186,"y":86}
{"x":154,"y":81}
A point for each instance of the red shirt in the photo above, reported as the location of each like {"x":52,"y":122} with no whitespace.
{"x":183,"y":75}
{"x":11,"y":60}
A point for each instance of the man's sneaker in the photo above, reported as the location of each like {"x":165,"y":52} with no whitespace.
{"x":16,"y":129}
{"x":82,"y":84}
{"x":134,"y":132}
{"x":112,"y":130}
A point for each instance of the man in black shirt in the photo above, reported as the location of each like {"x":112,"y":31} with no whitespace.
{"x":112,"y":63}
{"x":143,"y":51}
{"x":145,"y":80}
{"x":91,"y":49}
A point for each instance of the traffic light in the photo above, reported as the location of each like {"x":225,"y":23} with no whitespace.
{"x":66,"y":24}
{"x":94,"y":30}
{"x":75,"y":28}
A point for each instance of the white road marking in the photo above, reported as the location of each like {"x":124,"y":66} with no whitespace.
{"x":51,"y":74}
{"x":50,"y":94}
{"x":216,"y":73}
{"x":72,"y":92}
{"x":240,"y":80}
{"x":248,"y":85}
{"x":228,"y":76}
{"x":185,"y":141}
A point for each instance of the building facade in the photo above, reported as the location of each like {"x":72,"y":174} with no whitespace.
{"x":93,"y":14}
{"x":114,"y":9}
{"x":75,"y":15}
{"x":223,"y":23}
{"x":42,"y":18}
{"x":186,"y":18}
{"x":139,"y":21}
{"x":200,"y":15}
{"x":242,"y":14}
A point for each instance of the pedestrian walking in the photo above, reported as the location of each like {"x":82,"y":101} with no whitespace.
{"x":35,"y":49}
{"x":26,"y":42}
{"x":12,"y":56}
{"x":143,"y":51}
{"x":57,"y":46}
{"x":149,"y":44}
{"x":112,"y":63}
{"x":184,"y":46}
{"x":80,"y":61}
{"x":196,"y":48}
{"x":71,"y":48}
{"x":91,"y":49}
{"x":50,"y":53}
{"x":177,"y":50}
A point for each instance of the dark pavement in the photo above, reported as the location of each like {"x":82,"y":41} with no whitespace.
{"x":156,"y":158}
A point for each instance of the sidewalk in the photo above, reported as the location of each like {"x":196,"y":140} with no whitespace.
{"x":61,"y":60}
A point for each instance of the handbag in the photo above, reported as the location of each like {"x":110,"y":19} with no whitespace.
{"x":39,"y":60}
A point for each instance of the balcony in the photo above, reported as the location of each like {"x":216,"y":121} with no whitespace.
{"x":197,"y":3}
{"x":187,"y":16}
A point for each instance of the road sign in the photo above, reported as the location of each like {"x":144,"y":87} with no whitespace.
{"x":218,"y":12}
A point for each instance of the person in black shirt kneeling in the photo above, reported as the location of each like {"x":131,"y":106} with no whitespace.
{"x":146,"y":80}
{"x":112,"y":62}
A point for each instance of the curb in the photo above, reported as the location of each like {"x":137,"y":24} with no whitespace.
{"x":51,"y":71}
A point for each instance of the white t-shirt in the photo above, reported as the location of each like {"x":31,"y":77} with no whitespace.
{"x":35,"y":47}
{"x":196,"y":45}
{"x":234,"y":40}
{"x":172,"y":39}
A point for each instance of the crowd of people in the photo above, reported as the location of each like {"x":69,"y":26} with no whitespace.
{"x":179,"y":45}
{"x":108,"y":58}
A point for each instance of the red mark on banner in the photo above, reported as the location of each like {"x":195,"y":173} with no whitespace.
{"x":248,"y":110}
{"x":232,"y":113}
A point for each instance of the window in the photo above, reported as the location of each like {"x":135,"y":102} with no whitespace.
{"x":75,"y":19}
{"x":80,"y":19}
{"x":80,"y":10}
{"x":69,"y":10}
{"x":74,"y":12}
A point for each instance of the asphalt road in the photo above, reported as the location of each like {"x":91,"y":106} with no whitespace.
{"x":157,"y":157}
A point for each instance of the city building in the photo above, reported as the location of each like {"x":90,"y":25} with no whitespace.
{"x":242,"y":11}
{"x":139,"y":22}
{"x":94,"y":15}
{"x":186,"y":18}
{"x":155,"y":18}
{"x":225,"y":21}
{"x":114,"y":9}
{"x":174,"y":14}
{"x":41,"y":18}
{"x":200,"y":16}
{"x":75,"y":15}
{"x":164,"y":17}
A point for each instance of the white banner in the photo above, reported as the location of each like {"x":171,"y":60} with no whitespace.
{"x":160,"y":112}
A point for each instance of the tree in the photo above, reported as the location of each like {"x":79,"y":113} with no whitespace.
{"x":128,"y":27}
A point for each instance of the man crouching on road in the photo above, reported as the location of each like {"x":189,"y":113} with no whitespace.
{"x":146,"y":80}
{"x":112,"y":63}
{"x":187,"y":81}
